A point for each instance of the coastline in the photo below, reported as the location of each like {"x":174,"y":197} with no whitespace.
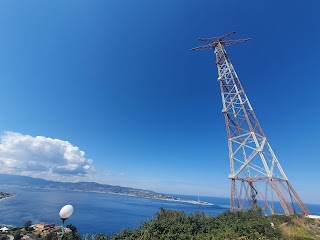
{"x":165,"y":198}
{"x":170,"y":199}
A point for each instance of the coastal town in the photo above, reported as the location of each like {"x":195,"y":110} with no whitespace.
{"x":40,"y":230}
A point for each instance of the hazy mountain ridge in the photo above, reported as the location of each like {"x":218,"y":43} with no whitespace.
{"x":24,"y":181}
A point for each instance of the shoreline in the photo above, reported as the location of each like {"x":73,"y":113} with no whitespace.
{"x":162,"y":199}
{"x":169,"y":198}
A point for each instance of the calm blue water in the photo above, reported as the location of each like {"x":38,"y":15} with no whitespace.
{"x":96,"y":212}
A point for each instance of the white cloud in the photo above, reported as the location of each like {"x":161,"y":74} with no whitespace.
{"x":58,"y":160}
{"x":42,"y":157}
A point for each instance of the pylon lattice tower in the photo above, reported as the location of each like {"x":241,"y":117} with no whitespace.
{"x":255,"y":172}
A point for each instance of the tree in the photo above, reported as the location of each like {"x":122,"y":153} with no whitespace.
{"x":17,"y":235}
{"x":75,"y":234}
{"x":51,"y":236}
{"x":27,"y":225}
{"x":72,"y":227}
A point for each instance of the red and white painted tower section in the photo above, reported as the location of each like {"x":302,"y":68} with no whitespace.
{"x":255,"y":172}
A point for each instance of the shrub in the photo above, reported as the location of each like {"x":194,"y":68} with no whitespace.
{"x":178,"y":225}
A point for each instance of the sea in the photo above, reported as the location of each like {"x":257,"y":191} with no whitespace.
{"x":98,"y":212}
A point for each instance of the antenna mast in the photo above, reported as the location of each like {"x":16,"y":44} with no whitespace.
{"x":255,"y":172}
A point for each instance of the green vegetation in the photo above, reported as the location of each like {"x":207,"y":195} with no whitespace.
{"x":17,"y":235}
{"x":74,"y":232}
{"x":27,"y":225}
{"x":250,"y":224}
{"x":178,"y":225}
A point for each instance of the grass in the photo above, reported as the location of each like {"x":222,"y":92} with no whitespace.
{"x":284,"y":227}
{"x":301,"y":228}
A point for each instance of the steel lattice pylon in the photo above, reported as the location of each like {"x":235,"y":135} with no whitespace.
{"x":256,"y":174}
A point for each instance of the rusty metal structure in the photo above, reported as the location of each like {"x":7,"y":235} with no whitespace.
{"x":255,"y":172}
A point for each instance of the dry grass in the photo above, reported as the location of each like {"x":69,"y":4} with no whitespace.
{"x":301,"y":228}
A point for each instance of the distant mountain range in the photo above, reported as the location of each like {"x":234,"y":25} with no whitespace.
{"x":23,"y":181}
{"x":30,"y":182}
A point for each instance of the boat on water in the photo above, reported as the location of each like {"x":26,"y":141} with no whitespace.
{"x":174,"y":199}
{"x":204,"y":203}
{"x":201,"y":202}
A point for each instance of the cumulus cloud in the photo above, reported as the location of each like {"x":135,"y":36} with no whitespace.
{"x":42,"y":157}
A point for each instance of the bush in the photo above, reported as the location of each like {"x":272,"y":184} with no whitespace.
{"x":178,"y":225}
{"x":27,"y":225}
{"x":51,"y":236}
{"x":17,"y":235}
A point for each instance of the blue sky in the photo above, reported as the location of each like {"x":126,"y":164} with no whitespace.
{"x":112,"y":86}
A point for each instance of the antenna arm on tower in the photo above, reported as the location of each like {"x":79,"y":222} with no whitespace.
{"x":216,"y":39}
{"x":204,"y":47}
{"x":231,"y":42}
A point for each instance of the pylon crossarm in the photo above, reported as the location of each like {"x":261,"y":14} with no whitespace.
{"x":231,"y":42}
{"x":216,"y":39}
{"x":205,"y":47}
